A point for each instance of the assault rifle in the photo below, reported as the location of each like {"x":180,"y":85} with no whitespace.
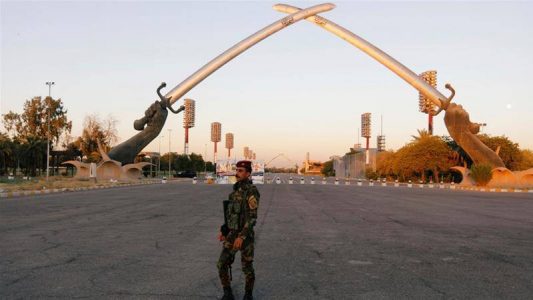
{"x":224,"y":229}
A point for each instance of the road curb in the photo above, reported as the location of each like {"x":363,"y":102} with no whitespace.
{"x":6,"y":195}
{"x":438,"y":186}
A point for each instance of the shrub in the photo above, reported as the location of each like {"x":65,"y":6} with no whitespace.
{"x":370,"y":174}
{"x":481,"y":174}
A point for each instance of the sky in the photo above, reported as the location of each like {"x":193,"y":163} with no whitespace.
{"x":300,"y":90}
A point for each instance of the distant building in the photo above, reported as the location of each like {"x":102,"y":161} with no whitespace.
{"x":312,"y":167}
{"x":352,"y":164}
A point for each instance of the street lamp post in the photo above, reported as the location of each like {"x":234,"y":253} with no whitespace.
{"x":169,"y":154}
{"x":159,"y":161}
{"x":205,"y":158}
{"x":49,"y":84}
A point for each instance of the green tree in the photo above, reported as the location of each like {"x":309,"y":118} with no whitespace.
{"x":197,"y":162}
{"x":33,"y":155}
{"x":403,"y":164}
{"x":371,"y":174}
{"x":425,"y":153}
{"x":94,"y":130}
{"x":15,"y":155}
{"x":459,"y":155}
{"x":29,"y":131}
{"x":422,"y":134}
{"x":164,"y":161}
{"x":41,"y":118}
{"x":6,"y":153}
{"x":508,"y":151}
{"x":210,"y":167}
{"x":481,"y":174}
{"x":12,"y":123}
{"x":527,"y":160}
{"x":327,"y":169}
{"x":182,"y":163}
{"x":385,"y":163}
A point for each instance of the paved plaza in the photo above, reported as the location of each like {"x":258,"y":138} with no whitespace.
{"x":313,"y":242}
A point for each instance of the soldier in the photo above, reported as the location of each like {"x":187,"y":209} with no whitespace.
{"x":238,"y":231}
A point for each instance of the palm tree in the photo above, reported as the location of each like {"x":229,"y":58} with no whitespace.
{"x":422,"y":134}
{"x":460,"y":157}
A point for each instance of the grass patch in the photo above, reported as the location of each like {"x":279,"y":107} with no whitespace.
{"x":56,"y":182}
{"x":482,"y":174}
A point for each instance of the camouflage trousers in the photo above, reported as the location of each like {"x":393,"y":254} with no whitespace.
{"x":227,"y":256}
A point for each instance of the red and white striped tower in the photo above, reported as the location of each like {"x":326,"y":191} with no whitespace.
{"x":365,"y":132}
{"x":188,"y":121}
{"x":229,"y":143}
{"x":424,"y":104}
{"x":216,"y":132}
{"x":246,"y":152}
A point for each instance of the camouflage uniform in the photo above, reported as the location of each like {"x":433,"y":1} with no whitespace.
{"x":242,"y":216}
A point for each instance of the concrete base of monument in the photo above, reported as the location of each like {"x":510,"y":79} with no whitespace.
{"x":501,"y":178}
{"x":109,"y":170}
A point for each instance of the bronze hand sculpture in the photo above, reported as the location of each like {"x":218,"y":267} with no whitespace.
{"x":150,"y":126}
{"x":465,"y":132}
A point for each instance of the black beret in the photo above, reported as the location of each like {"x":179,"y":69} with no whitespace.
{"x":245,"y":164}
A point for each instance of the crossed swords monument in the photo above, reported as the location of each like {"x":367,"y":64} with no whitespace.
{"x":119,"y":162}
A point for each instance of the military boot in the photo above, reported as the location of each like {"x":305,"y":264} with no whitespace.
{"x":228,"y":294}
{"x":248,"y":295}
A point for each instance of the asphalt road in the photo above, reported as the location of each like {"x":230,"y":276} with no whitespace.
{"x":313,"y":242}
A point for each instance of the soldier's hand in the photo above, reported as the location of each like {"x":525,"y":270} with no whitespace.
{"x":221,"y":237}
{"x":237,"y":244}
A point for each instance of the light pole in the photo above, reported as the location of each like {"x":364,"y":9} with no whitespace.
{"x":216,"y":131}
{"x":205,"y":158}
{"x":188,"y":121}
{"x":169,"y":154}
{"x":49,"y":84}
{"x":159,"y":161}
